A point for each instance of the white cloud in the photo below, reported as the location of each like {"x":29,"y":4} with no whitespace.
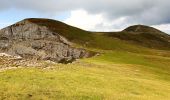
{"x":99,"y":15}
{"x":163,"y":27}
{"x":81,"y":19}
{"x":94,"y":22}
{"x":140,"y":11}
{"x":97,"y":22}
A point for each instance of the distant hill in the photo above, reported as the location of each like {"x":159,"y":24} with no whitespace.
{"x":144,"y":36}
{"x":142,"y":28}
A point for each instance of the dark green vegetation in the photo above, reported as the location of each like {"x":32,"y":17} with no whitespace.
{"x":72,"y":33}
{"x":133,"y":65}
{"x":143,"y":35}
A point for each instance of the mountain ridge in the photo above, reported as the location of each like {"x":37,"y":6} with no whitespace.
{"x":53,"y":40}
{"x":143,"y":35}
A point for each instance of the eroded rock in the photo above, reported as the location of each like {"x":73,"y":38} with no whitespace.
{"x":31,"y":41}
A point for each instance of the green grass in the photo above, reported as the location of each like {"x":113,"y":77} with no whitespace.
{"x":123,"y":71}
{"x":115,"y":75}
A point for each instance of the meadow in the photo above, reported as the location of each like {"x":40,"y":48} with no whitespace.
{"x":113,"y":75}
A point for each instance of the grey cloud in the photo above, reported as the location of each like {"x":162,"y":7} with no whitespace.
{"x":4,"y":5}
{"x":137,"y":11}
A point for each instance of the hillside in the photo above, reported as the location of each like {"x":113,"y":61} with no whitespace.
{"x":133,"y":64}
{"x":42,"y":39}
{"x":69,"y":32}
{"x":144,"y":36}
{"x":140,"y":34}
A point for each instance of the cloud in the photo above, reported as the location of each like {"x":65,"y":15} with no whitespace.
{"x":95,"y":22}
{"x":81,"y":19}
{"x":97,"y":14}
{"x":141,"y":11}
{"x":84,"y":20}
{"x":163,"y":27}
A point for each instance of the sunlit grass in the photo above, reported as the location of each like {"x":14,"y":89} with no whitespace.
{"x":111,"y":76}
{"x":122,"y":71}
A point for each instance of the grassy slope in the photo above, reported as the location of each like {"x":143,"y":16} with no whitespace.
{"x":143,"y":35}
{"x":123,"y":71}
{"x":109,"y":76}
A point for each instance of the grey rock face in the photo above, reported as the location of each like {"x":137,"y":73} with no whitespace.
{"x":32,"y":41}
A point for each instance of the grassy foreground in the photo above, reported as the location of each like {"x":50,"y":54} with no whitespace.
{"x":115,"y":75}
{"x":123,"y":71}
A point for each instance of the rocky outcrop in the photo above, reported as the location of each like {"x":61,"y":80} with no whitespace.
{"x":32,"y":41}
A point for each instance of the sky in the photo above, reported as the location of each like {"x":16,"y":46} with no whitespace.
{"x":91,"y":15}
